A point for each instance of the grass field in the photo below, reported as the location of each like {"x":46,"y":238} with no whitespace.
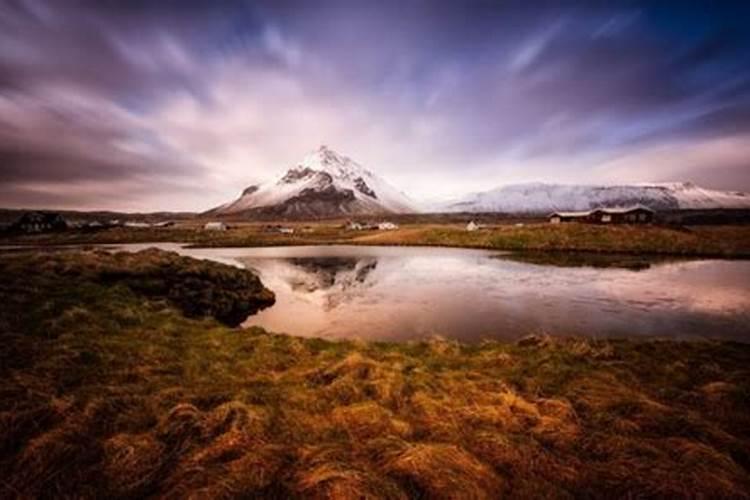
{"x":108,"y":389}
{"x":718,"y":241}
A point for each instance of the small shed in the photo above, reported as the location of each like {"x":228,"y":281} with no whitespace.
{"x":387,"y":226}
{"x":472,"y":226}
{"x":215,"y":226}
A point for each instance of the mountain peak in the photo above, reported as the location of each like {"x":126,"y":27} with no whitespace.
{"x":339,"y":166}
{"x":324,"y":183}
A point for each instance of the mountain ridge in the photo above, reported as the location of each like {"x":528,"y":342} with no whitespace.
{"x":538,"y":197}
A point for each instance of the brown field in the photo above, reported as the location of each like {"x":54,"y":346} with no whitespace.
{"x":718,"y":241}
{"x":108,"y":390}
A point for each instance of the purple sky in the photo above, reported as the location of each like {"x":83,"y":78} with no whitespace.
{"x":177,"y":105}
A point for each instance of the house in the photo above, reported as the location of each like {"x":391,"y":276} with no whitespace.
{"x":215,"y":226}
{"x":387,"y":226}
{"x":355,"y":226}
{"x":138,"y":225}
{"x":286,"y":230}
{"x":165,"y":223}
{"x":636,"y":214}
{"x":39,"y":222}
{"x":472,"y":226}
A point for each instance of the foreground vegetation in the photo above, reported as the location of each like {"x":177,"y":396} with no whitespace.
{"x":107,"y":389}
{"x":710,"y":241}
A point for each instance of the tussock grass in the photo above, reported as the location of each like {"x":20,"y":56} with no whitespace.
{"x":107,"y":390}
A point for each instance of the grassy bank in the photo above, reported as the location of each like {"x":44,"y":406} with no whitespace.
{"x":713,"y":241}
{"x":108,"y":389}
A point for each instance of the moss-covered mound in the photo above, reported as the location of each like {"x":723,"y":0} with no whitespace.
{"x":197,"y":287}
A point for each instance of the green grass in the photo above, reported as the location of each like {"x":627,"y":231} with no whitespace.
{"x":109,"y":390}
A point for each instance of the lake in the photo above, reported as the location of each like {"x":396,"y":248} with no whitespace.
{"x":404,"y":293}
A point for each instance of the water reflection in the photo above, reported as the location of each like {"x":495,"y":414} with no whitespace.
{"x":401,"y":293}
{"x":589,"y":259}
{"x":326,"y":281}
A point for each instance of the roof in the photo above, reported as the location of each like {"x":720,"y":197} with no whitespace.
{"x":570,"y":214}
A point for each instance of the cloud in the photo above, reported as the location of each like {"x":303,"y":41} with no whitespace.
{"x":166,"y":105}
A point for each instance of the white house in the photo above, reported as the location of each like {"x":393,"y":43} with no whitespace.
{"x":387,"y":226}
{"x":286,"y":230}
{"x":472,"y":226}
{"x":215,"y":226}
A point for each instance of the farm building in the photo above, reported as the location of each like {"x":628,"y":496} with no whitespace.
{"x":472,"y":226}
{"x":39,"y":222}
{"x":215,"y":226}
{"x":387,"y":226}
{"x":627,"y":215}
{"x":637,"y":214}
{"x":558,"y":217}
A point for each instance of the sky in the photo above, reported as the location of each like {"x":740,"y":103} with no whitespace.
{"x":142,"y":105}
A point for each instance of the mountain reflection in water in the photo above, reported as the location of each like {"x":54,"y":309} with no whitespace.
{"x":402,"y":293}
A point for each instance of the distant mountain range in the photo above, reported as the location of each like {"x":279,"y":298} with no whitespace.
{"x":327,"y":184}
{"x":545,"y":198}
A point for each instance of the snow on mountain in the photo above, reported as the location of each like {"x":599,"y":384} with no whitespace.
{"x":545,"y":198}
{"x":325,"y":183}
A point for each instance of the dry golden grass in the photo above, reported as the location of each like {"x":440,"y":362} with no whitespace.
{"x":728,"y":241}
{"x":105,"y":392}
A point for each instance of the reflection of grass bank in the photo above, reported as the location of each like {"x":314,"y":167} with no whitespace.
{"x":716,"y":241}
{"x":106,"y":392}
{"x":633,"y":262}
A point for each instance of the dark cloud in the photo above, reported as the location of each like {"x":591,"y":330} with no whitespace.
{"x":135,"y":92}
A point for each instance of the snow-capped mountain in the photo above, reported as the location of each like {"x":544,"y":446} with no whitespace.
{"x":325,"y":183}
{"x":545,"y":198}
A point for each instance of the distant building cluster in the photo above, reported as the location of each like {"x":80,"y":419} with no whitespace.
{"x":39,"y":222}
{"x":47,"y":222}
{"x":365,"y":226}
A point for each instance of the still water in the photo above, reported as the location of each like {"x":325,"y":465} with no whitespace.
{"x":401,"y":293}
